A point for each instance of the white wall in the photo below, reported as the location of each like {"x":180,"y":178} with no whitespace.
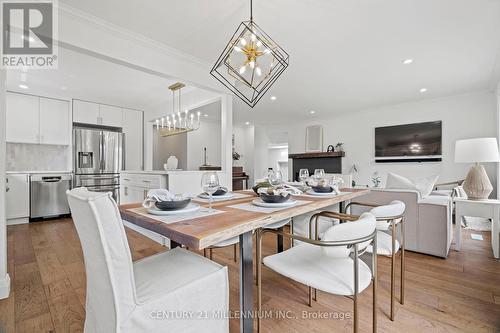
{"x":4,"y":276}
{"x":190,"y":100}
{"x":276,"y":155}
{"x":464,"y":116}
{"x":261,"y":156}
{"x":497,"y":95}
{"x":209,"y":136}
{"x":244,"y":145}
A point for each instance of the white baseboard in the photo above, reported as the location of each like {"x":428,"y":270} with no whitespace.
{"x":21,"y":220}
{"x":148,"y":233}
{"x":5,"y":287}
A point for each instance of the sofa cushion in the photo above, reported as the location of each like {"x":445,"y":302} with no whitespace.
{"x":423,"y":185}
{"x":397,"y":182}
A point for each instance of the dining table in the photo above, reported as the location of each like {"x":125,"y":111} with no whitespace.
{"x":233,"y":217}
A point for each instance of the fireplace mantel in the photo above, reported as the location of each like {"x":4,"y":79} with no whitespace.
{"x":317,"y":154}
{"x":331,"y":162}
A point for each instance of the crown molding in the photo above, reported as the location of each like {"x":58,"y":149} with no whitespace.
{"x":129,"y":35}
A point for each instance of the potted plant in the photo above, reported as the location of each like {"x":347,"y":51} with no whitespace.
{"x":339,"y":146}
{"x":236,"y":157}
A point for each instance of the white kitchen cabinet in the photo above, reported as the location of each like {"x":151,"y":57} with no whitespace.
{"x":133,"y":129}
{"x":133,"y":194}
{"x":17,"y":196}
{"x":55,"y":125}
{"x":110,"y":115}
{"x":135,"y":186}
{"x":22,"y":118}
{"x":86,"y":112}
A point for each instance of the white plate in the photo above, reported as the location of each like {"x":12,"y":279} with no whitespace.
{"x":192,"y":207}
{"x":319,"y":194}
{"x":260,"y":203}
{"x":226,"y":196}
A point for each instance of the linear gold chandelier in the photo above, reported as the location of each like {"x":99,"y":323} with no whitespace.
{"x":250,"y":63}
{"x":178,"y":121}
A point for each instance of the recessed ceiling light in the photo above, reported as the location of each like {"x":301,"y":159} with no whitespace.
{"x":312,"y":112}
{"x":273,"y":98}
{"x":422,"y":90}
{"x":247,"y":123}
{"x":23,"y":86}
{"x":407,"y":61}
{"x":205,"y":115}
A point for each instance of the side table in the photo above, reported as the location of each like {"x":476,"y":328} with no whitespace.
{"x":478,"y":208}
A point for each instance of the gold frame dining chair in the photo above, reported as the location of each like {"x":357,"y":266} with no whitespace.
{"x":384,"y":223}
{"x":231,"y":242}
{"x":362,"y":231}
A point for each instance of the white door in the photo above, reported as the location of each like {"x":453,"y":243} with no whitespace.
{"x":17,"y":196}
{"x":85,"y":112}
{"x":133,"y":128}
{"x":55,"y":125}
{"x":111,"y":115}
{"x":22,"y":118}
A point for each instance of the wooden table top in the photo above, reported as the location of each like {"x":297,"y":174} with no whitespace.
{"x":200,"y":233}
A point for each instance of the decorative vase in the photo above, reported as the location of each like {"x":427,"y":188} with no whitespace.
{"x":477,"y":185}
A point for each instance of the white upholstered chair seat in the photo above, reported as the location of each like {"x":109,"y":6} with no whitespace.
{"x":165,"y":272}
{"x":384,"y":244}
{"x":307,"y":264}
{"x":278,"y":224}
{"x":228,"y":242}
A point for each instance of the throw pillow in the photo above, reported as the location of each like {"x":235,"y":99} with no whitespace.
{"x":423,"y":185}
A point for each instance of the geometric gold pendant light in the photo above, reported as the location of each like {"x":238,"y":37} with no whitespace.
{"x":250,"y":63}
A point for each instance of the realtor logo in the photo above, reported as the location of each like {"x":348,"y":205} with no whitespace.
{"x":28,"y":34}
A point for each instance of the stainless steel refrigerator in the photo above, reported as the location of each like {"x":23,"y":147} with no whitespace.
{"x":98,"y":160}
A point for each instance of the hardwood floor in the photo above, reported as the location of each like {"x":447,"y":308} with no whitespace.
{"x":459,"y":294}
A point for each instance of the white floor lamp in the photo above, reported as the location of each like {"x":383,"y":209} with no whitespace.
{"x":477,"y":185}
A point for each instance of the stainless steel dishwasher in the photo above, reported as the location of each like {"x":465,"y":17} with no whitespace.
{"x":48,"y":195}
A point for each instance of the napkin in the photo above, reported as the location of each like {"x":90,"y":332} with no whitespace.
{"x":157,"y":195}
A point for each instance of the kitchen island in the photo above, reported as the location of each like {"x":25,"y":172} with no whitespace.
{"x":135,"y":184}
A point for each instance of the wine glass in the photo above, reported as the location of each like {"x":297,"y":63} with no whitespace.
{"x":303,"y":175}
{"x":275,"y":178}
{"x":210,"y":184}
{"x":319,"y":174}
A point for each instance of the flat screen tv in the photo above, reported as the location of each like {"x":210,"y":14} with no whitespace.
{"x":409,"y":143}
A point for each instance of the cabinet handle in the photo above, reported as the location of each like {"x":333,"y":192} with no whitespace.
{"x":7,"y":189}
{"x":126,"y":190}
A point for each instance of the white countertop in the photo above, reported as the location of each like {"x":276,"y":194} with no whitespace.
{"x":33,"y":172}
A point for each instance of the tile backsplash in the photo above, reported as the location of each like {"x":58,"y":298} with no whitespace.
{"x":31,"y":157}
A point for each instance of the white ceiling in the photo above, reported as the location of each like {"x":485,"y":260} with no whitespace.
{"x":344,"y":55}
{"x":89,"y":78}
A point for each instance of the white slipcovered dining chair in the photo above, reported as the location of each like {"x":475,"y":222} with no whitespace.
{"x":389,"y":217}
{"x":327,"y":265}
{"x":155,"y":294}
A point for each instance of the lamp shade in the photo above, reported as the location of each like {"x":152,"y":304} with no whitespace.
{"x":477,"y":150}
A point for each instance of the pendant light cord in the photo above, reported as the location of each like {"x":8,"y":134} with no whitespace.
{"x":251,"y":10}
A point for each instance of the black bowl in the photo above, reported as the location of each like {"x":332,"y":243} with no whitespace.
{"x":172,"y":205}
{"x":322,"y":189}
{"x":220,"y":191}
{"x":271,"y":198}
